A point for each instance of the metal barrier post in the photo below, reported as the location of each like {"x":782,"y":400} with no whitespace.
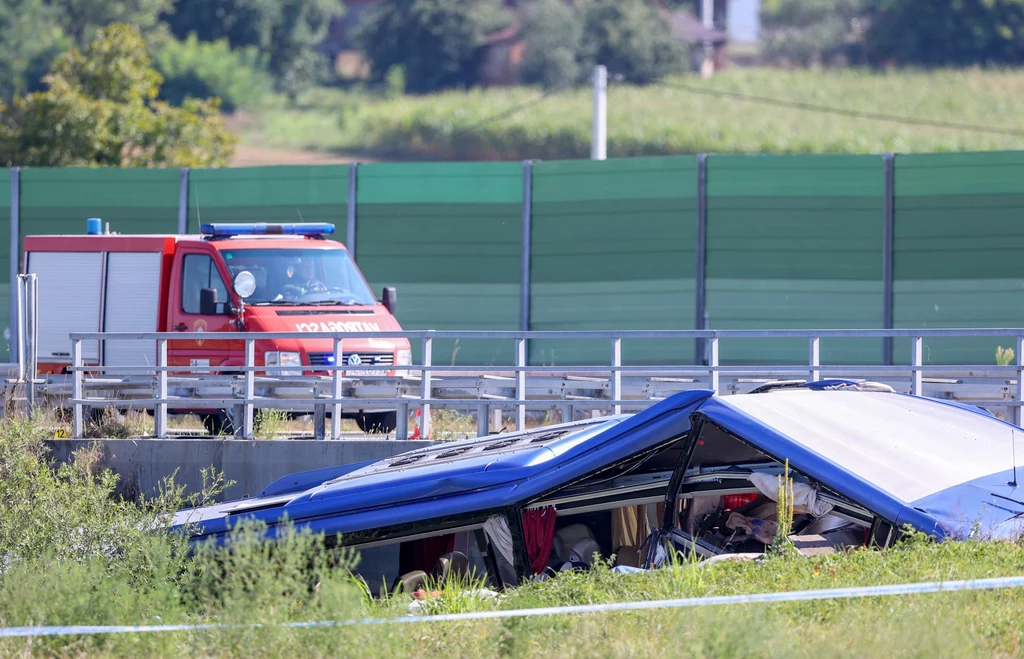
{"x":525,"y":248}
{"x":428,"y":345}
{"x":713,"y":364}
{"x":482,"y":420}
{"x":1018,"y":417}
{"x":815,"y":360}
{"x":160,"y":416}
{"x":183,"y":200}
{"x":31,"y":337}
{"x":14,"y":254}
{"x":888,"y":237}
{"x":336,"y":391}
{"x":19,"y":318}
{"x":320,"y":421}
{"x":77,"y":424}
{"x":351,"y":210}
{"x":402,"y":422}
{"x":700,"y":279}
{"x":250,"y":388}
{"x":915,"y":386}
{"x":520,"y":383}
{"x":616,"y":374}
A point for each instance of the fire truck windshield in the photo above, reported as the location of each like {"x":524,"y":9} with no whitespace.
{"x":301,"y":276}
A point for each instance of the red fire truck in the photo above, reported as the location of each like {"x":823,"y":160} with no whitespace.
{"x":230,"y":278}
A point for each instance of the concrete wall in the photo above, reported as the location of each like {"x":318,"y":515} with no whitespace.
{"x":141,"y":464}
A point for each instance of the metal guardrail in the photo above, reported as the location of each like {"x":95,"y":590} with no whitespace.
{"x":612,"y":386}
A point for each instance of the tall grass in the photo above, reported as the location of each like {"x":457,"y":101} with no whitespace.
{"x":660,"y":120}
{"x":74,"y":554}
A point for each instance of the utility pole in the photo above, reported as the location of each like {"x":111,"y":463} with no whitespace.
{"x":707,"y":15}
{"x":599,"y":132}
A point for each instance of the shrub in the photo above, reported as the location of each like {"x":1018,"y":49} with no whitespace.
{"x":100,"y":108}
{"x":631,"y":38}
{"x":288,"y":31}
{"x":198,"y":69}
{"x":68,"y":512}
{"x":438,"y":42}
{"x":103,"y":560}
{"x":814,"y":32}
{"x":554,"y":32}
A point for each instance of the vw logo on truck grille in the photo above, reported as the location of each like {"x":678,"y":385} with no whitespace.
{"x":354,"y":360}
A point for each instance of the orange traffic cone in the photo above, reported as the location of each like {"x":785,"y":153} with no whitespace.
{"x":416,"y":429}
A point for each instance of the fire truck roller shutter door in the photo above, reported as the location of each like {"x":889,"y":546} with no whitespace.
{"x":69,"y":301}
{"x":132,"y":305}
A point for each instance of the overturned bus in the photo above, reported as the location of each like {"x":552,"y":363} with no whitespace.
{"x":696,"y":474}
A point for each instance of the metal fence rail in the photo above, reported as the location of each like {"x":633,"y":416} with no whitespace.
{"x":612,"y":386}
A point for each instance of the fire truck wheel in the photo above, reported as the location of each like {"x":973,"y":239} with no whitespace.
{"x":377,"y":422}
{"x":218,"y":423}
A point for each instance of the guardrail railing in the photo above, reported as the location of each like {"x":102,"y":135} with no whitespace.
{"x":163,"y":387}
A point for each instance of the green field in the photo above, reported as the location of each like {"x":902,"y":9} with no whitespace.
{"x":70,"y":554}
{"x":661,"y":120}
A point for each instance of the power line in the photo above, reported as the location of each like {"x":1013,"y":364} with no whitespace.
{"x":826,"y":109}
{"x":511,"y":111}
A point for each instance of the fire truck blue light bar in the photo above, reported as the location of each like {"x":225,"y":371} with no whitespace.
{"x":263,"y":229}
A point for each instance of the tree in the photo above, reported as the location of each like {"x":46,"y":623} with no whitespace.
{"x":31,"y":39}
{"x":806,"y":32}
{"x":99,"y":108}
{"x":82,"y":18}
{"x":289,"y":30}
{"x":554,"y":37}
{"x":962,"y":33}
{"x":439,"y":43}
{"x":35,"y":32}
{"x":631,"y":38}
{"x":199,"y":69}
{"x":566,"y":40}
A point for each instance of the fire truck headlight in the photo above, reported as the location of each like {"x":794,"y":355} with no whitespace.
{"x":402,"y":358}
{"x":276,"y":358}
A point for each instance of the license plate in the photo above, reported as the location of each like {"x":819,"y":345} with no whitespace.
{"x":350,"y":374}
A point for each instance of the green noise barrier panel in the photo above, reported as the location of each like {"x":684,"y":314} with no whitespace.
{"x":131,"y":201}
{"x":790,"y":242}
{"x":795,"y":242}
{"x":613,"y":248}
{"x":958,"y":240}
{"x":449,"y":238}
{"x":270,"y":194}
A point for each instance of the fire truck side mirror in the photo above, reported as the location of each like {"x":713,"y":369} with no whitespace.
{"x":389,"y":299}
{"x":208,"y":305}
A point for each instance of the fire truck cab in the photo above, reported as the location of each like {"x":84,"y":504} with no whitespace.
{"x":230,"y":278}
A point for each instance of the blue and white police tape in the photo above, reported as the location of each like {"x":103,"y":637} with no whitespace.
{"x":690,"y":602}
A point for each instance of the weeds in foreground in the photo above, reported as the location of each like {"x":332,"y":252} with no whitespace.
{"x":450,"y":425}
{"x":1004,"y":356}
{"x":781,"y":543}
{"x":114,"y":424}
{"x":268,"y":422}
